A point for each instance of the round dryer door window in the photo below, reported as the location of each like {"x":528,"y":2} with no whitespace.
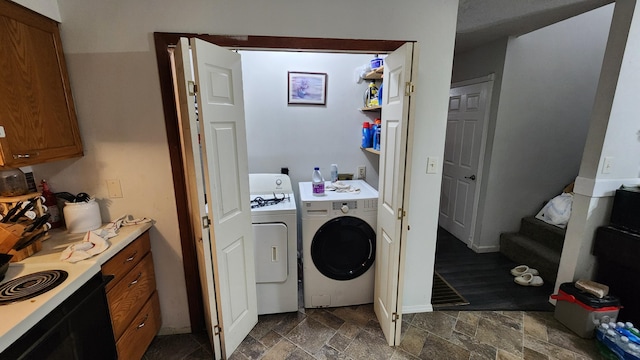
{"x":344,"y":248}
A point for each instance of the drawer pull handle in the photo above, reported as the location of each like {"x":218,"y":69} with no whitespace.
{"x":136,"y":280}
{"x":130,"y":258}
{"x":141,"y":325}
{"x":25,"y":156}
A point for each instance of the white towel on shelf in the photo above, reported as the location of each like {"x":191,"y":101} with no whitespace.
{"x":340,"y":186}
{"x":95,"y":242}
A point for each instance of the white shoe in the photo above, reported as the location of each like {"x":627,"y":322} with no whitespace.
{"x":523,"y":269}
{"x":528,"y":279}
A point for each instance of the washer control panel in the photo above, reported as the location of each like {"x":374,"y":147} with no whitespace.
{"x":345,"y":205}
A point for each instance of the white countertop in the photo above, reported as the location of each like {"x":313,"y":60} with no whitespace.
{"x":366,"y":191}
{"x":19,"y":317}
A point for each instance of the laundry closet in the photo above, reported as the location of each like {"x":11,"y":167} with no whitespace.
{"x":250,"y":99}
{"x":283,"y":135}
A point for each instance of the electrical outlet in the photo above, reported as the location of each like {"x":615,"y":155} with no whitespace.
{"x":432,"y":165}
{"x":114,"y":188}
{"x":362,"y":172}
{"x":607,"y":165}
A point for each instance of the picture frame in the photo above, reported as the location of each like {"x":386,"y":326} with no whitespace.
{"x":308,"y":88}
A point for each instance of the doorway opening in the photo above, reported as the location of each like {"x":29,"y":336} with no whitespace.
{"x":165,"y":41}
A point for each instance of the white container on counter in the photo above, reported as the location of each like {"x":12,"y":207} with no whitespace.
{"x":82,"y":216}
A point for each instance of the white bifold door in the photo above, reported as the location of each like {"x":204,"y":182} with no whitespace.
{"x":218,"y":167}
{"x":395,"y":143}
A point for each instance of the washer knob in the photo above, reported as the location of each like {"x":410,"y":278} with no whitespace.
{"x":278,"y":181}
{"x":344,"y":209}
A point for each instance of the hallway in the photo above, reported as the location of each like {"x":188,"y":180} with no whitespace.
{"x":484,"y":280}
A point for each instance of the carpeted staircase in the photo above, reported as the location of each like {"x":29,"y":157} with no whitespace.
{"x":537,"y":244}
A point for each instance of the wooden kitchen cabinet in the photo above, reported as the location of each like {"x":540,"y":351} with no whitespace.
{"x":37,"y":116}
{"x":133,"y":299}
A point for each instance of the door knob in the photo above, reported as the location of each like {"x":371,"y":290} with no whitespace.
{"x":472,"y":177}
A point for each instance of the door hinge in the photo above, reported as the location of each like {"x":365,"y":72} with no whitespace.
{"x":401,"y":213}
{"x":394,"y":317}
{"x":192,"y":87}
{"x":409,"y":88}
{"x":217,"y":330}
{"x":206,"y":222}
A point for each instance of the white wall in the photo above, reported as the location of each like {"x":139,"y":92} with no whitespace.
{"x":47,"y":8}
{"x":548,"y":89}
{"x":113,"y":74}
{"x":303,"y":136}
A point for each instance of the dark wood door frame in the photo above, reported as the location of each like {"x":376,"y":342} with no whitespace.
{"x":163,"y":41}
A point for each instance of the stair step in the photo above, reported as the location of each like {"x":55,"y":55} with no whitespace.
{"x":526,"y":251}
{"x":547,"y":234}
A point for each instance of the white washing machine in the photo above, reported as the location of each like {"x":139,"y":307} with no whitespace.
{"x":274,"y":218}
{"x":338,"y":242}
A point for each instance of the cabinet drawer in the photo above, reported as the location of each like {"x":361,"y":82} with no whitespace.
{"x":122,"y":263}
{"x":128,"y":296}
{"x":138,"y":335}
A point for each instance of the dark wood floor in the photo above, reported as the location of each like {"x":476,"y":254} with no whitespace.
{"x":484,"y":280}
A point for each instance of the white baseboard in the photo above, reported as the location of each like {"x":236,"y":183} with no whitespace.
{"x":174,"y":331}
{"x":485,"y":249}
{"x":414,"y":309}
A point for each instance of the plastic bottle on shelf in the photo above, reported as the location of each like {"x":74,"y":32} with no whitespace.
{"x":367,"y":135}
{"x":334,"y":173}
{"x":51,"y":203}
{"x":376,"y":135}
{"x":371,"y":95}
{"x":317,"y":182}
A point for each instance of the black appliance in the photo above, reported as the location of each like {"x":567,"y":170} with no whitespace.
{"x":625,"y":213}
{"x":79,"y":328}
{"x":617,"y":250}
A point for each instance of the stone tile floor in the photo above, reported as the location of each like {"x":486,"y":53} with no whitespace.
{"x":354,"y":333}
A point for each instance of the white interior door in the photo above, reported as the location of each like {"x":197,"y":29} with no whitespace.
{"x":463,"y":145}
{"x":189,"y":130}
{"x":218,"y":78}
{"x":392,"y":186}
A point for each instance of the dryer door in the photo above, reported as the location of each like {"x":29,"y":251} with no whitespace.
{"x":270,"y":252}
{"x":344,"y":248}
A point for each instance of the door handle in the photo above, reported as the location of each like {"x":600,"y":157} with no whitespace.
{"x":472,"y":177}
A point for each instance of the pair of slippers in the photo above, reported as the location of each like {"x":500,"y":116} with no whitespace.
{"x":526,"y":276}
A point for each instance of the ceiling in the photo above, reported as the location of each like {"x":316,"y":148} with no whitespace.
{"x":482,"y":21}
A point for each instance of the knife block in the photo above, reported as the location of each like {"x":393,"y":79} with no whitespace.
{"x":9,"y":202}
{"x":9,"y":235}
{"x":10,"y":232}
{"x":19,"y":255}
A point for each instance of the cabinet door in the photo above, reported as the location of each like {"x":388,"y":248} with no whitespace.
{"x":36,"y":108}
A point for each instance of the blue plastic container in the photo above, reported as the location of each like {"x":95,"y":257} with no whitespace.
{"x":367,"y":135}
{"x":376,"y":136}
{"x":376,"y":63}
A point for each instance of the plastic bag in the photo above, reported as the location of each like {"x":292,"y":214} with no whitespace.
{"x":557,"y":211}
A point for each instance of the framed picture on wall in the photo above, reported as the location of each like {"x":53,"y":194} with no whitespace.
{"x":307,"y":88}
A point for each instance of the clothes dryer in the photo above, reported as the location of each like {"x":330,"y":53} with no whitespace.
{"x":274,"y":219}
{"x":338,"y":244}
